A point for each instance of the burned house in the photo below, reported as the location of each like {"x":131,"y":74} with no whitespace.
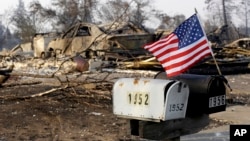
{"x":40,"y":43}
{"x":106,"y":41}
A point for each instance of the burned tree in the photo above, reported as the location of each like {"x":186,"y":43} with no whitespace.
{"x":115,"y":10}
{"x":69,"y":12}
{"x":23,"y":23}
{"x":86,"y":10}
{"x":66,"y":12}
{"x":41,"y":16}
{"x":139,"y":15}
{"x":222,"y":13}
{"x":244,"y":13}
{"x":168,"y":23}
{"x":124,"y":11}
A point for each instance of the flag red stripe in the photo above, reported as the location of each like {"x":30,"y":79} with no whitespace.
{"x":194,"y":57}
{"x":164,"y":45}
{"x":186,"y":59}
{"x":179,"y":53}
{"x":180,"y":69}
{"x":161,"y":41}
{"x":166,"y":49}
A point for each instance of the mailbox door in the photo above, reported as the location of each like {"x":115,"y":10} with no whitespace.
{"x":141,"y":99}
{"x":217,"y":95}
{"x":176,"y":101}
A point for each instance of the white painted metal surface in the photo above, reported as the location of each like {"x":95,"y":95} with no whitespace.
{"x":176,"y":101}
{"x":150,"y":99}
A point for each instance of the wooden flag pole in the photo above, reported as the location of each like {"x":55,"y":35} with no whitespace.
{"x":217,"y":66}
{"x":209,"y":45}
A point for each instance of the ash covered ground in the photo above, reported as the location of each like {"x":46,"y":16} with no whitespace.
{"x":31,"y":110}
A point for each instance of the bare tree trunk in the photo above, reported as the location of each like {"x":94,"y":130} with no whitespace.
{"x":225,"y":17}
{"x":246,"y":16}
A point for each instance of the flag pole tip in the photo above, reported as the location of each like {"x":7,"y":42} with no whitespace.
{"x":195,"y":10}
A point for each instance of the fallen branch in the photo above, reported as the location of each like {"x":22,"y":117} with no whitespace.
{"x":31,"y":75}
{"x":34,"y":95}
{"x":47,"y":92}
{"x":95,"y":95}
{"x":18,"y":84}
{"x":94,"y":105}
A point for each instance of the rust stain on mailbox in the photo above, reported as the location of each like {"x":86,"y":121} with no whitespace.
{"x":136,"y":81}
{"x":121,"y":84}
{"x":146,"y":81}
{"x":150,"y":99}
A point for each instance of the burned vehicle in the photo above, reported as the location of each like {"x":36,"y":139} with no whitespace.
{"x":241,"y":43}
{"x":110,"y":41}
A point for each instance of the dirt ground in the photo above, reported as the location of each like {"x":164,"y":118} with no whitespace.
{"x":67,"y":114}
{"x":41,"y":112}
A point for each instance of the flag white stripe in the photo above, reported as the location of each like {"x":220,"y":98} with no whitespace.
{"x":175,"y":45}
{"x":154,"y":46}
{"x":180,"y":50}
{"x":185,"y":57}
{"x":179,"y":68}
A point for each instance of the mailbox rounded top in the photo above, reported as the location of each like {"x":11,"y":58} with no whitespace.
{"x":202,"y":84}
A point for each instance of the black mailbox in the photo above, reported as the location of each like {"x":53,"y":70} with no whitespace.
{"x":207,"y":93}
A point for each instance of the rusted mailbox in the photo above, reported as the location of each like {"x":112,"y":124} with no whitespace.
{"x":164,"y":108}
{"x":150,"y":99}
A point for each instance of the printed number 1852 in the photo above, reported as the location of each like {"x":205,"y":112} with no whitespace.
{"x":138,"y":98}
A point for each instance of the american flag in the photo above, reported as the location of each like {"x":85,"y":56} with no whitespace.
{"x":181,"y":49}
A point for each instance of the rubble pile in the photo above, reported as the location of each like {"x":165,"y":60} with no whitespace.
{"x":90,"y":48}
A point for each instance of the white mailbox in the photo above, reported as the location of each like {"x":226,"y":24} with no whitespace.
{"x":150,"y":99}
